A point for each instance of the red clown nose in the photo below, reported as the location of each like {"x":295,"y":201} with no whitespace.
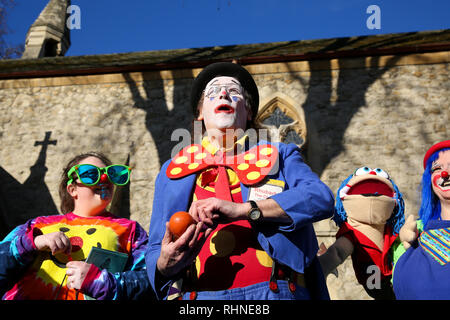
{"x":104,"y":178}
{"x":444,"y":174}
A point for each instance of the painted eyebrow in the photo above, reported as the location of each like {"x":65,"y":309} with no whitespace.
{"x":224,"y":84}
{"x":230,"y":80}
{"x":435,"y":164}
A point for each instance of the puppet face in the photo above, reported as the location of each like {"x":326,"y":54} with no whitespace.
{"x":368,"y":196}
{"x":440,"y":179}
{"x":224,"y":105}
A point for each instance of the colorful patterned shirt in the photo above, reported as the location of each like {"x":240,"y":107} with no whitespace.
{"x":43,"y":275}
{"x":423,"y":271}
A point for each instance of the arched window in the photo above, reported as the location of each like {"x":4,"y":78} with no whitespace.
{"x":283,"y":122}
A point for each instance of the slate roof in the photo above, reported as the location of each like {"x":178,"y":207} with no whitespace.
{"x":399,"y":43}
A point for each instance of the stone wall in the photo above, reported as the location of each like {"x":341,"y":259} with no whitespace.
{"x":376,"y":111}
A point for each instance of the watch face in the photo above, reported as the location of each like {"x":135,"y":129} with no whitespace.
{"x":255,"y":214}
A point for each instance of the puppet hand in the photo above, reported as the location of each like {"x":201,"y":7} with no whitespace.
{"x":207,"y":210}
{"x":322,"y":249}
{"x":335,"y":255}
{"x":55,"y":242}
{"x":177,"y":255}
{"x":76,"y":272}
{"x":408,"y":233}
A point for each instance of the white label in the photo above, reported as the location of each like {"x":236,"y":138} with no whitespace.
{"x":263,"y":192}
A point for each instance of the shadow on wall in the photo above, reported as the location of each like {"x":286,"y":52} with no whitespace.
{"x":339,"y":109}
{"x":159,"y":120}
{"x":320,"y":101}
{"x":325,"y":110}
{"x":21,"y":202}
{"x":120,"y":205}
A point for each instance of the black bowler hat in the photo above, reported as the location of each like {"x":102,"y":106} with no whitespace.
{"x":227,"y":69}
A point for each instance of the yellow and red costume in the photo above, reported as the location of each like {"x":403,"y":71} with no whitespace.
{"x":236,"y":259}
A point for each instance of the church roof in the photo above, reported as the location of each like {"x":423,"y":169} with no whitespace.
{"x":373,"y":45}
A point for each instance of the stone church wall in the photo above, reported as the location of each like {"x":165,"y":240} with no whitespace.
{"x":376,"y":111}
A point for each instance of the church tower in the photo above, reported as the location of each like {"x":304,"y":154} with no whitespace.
{"x":49,"y":36}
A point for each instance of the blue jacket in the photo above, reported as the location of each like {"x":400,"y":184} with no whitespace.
{"x":305,"y":199}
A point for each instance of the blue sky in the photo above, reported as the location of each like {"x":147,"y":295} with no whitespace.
{"x":115,"y":26}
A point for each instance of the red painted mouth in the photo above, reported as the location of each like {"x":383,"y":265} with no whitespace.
{"x":371,"y":187}
{"x":443,"y":186}
{"x":224,"y":108}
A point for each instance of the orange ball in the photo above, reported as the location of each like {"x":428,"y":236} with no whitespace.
{"x":179,"y":222}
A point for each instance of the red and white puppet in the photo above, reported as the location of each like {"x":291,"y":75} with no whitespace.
{"x":369,"y":211}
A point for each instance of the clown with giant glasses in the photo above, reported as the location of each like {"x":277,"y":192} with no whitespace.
{"x":253,"y":203}
{"x":45,"y":257}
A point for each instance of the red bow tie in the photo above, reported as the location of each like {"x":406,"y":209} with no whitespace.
{"x":251,"y":167}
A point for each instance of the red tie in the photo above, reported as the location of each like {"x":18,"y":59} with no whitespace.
{"x":222,"y":186}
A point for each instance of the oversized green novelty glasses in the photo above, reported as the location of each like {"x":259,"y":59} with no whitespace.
{"x":90,"y":175}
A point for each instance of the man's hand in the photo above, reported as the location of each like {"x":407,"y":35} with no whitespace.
{"x":208,"y":210}
{"x":178,"y":254}
{"x":55,"y":242}
{"x":408,"y":233}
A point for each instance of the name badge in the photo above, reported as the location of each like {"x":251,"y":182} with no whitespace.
{"x":266,"y":190}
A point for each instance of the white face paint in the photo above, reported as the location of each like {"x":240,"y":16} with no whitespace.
{"x":439,"y":176}
{"x":224,"y":105}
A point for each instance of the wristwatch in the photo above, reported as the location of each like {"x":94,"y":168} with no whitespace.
{"x":254,"y":214}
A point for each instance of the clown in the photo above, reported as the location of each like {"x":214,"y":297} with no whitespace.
{"x":422,"y":268}
{"x":253,"y":203}
{"x":369,"y":213}
{"x":44,"y":259}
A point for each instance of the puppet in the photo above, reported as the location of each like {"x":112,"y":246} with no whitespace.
{"x":369,"y":211}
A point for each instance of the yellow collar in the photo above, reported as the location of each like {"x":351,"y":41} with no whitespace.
{"x":238,"y":146}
